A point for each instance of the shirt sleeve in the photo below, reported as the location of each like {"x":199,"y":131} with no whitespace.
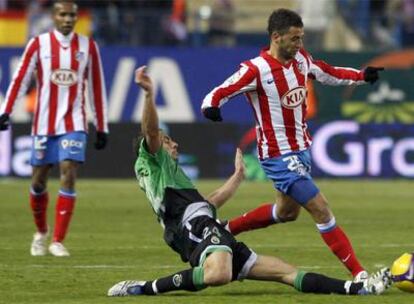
{"x":96,"y":88}
{"x":242,"y":81}
{"x":22,"y":76}
{"x":331,"y":75}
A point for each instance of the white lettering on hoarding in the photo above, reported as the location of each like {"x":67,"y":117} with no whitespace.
{"x":398,"y":159}
{"x":5,"y":152}
{"x":21,"y":158}
{"x":363,"y":157}
{"x":167,"y":78}
{"x":355,"y":151}
{"x":120,"y":88}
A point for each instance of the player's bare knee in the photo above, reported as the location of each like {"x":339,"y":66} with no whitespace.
{"x":217,"y":276}
{"x":38,"y":187}
{"x":288,"y":216}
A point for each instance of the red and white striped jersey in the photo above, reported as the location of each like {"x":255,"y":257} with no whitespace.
{"x":277,"y":94}
{"x":63,"y":65}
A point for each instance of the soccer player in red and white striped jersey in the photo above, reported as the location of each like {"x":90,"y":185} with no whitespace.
{"x":274,"y":83}
{"x":66,"y":66}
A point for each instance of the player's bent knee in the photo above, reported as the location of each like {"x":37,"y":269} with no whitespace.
{"x":217,"y":276}
{"x":38,"y":187}
{"x":288,"y":217}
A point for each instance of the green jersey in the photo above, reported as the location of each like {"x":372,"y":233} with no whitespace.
{"x":165,"y":184}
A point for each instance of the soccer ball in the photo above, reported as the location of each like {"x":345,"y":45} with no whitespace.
{"x":402,"y":272}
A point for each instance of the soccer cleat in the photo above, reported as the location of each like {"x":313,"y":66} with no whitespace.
{"x":38,"y":247}
{"x":361,"y":276}
{"x":377,"y":282}
{"x":127,"y":288}
{"x":57,"y":249}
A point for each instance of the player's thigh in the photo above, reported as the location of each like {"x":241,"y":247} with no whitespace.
{"x":218,"y":268}
{"x":269,"y":268}
{"x":319,"y":209}
{"x":290,"y":174}
{"x":287,"y":207}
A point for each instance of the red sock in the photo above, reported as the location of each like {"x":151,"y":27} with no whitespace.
{"x":64,"y":208}
{"x":340,"y":245}
{"x":38,"y":203}
{"x":257,"y":218}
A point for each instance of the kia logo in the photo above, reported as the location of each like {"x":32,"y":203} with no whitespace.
{"x":294,"y":97}
{"x":64,"y":77}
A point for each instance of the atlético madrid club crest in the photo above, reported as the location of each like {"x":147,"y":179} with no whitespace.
{"x":79,"y":56}
{"x":301,"y":67}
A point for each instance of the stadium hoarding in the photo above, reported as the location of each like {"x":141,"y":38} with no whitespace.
{"x":341,"y":148}
{"x":183,"y":76}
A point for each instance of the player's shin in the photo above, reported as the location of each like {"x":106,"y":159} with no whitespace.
{"x":260,"y":217}
{"x":64,"y":208}
{"x":340,"y":245}
{"x":38,"y":204}
{"x":317,"y":283}
{"x":190,"y":280}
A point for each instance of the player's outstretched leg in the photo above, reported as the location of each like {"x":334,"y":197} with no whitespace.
{"x":375,"y":284}
{"x":190,"y":280}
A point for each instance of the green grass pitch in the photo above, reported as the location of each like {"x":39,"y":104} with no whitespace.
{"x":114,"y":236}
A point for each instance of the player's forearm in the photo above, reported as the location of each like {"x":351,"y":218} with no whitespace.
{"x":225,"y":192}
{"x":149,"y":122}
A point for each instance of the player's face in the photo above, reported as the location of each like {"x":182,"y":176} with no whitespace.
{"x":170,"y":146}
{"x":65,"y":16}
{"x":291,"y":42}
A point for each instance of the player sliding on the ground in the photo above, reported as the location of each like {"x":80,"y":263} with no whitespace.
{"x":215,"y":256}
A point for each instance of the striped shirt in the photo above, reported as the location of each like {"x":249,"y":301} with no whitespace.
{"x":277,"y":95}
{"x":62,"y":66}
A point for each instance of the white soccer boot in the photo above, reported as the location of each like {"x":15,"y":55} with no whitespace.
{"x":38,"y":247}
{"x":127,"y":288}
{"x":57,"y":249}
{"x":361,"y":276}
{"x":377,"y":282}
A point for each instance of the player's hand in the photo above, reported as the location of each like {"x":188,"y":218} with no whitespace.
{"x":371,"y":74}
{"x":101,"y":140}
{"x":212,"y":113}
{"x":142,"y":79}
{"x":239,"y":166}
{"x":4,"y":121}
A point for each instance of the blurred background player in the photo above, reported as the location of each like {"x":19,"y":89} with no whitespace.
{"x":191,"y":230}
{"x":63,"y":60}
{"x":274,"y":84}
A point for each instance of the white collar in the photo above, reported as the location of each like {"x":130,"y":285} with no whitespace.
{"x":64,"y":40}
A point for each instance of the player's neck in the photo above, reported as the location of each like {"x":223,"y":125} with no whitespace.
{"x":275,"y":54}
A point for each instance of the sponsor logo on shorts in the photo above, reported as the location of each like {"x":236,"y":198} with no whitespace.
{"x":294,"y":98}
{"x":177,"y":280}
{"x":71,"y":143}
{"x":64,"y":77}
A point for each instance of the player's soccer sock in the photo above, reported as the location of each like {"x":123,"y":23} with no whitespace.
{"x":260,"y":217}
{"x":190,"y":280}
{"x":340,"y":245}
{"x":38,"y":204}
{"x":64,"y":208}
{"x":318,"y":283}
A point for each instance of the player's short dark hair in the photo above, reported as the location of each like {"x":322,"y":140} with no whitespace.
{"x":55,"y":2}
{"x":281,"y":20}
